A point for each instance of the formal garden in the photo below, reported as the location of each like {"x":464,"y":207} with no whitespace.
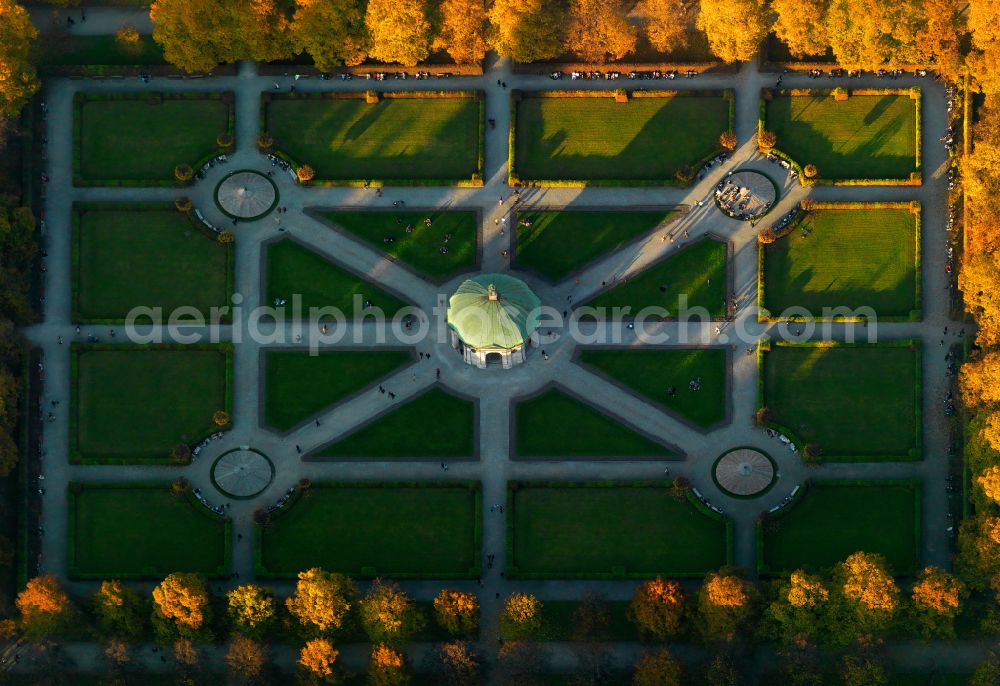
{"x":842,"y":257}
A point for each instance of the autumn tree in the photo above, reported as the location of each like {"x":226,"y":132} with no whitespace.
{"x":318,"y":660}
{"x":801,"y":26}
{"x":45,"y":608}
{"x":726,"y":604}
{"x":986,"y":674}
{"x":598,"y":30}
{"x":667,"y":23}
{"x":321,"y":601}
{"x":526,"y":30}
{"x":978,"y":279}
{"x":797,"y":612}
{"x":864,"y":598}
{"x":862,"y":670}
{"x":521,"y":616}
{"x":186,"y":652}
{"x":246,"y":657}
{"x":937,"y":599}
{"x":657,"y":608}
{"x":873,"y":36}
{"x":181,"y":606}
{"x":399,"y":31}
{"x":519,"y":663}
{"x":333,"y":32}
{"x":455,"y":664}
{"x":722,"y":670}
{"x":657,"y":669}
{"x":388,"y":615}
{"x":735,"y":28}
{"x":939,"y":40}
{"x":18,"y":80}
{"x":991,"y":430}
{"x":984,"y":61}
{"x":989,"y":481}
{"x":119,"y":611}
{"x":457,"y":612}
{"x":387,"y":667}
{"x":251,"y":609}
{"x":978,"y":558}
{"x":980,"y":380}
{"x":463,"y":30}
{"x":198,"y":36}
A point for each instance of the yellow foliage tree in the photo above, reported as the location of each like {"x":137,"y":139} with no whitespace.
{"x":463,"y":30}
{"x":387,"y":668}
{"x":522,"y":615}
{"x":735,"y":28}
{"x":598,"y":30}
{"x":984,"y":61}
{"x":939,"y":41}
{"x":866,"y":581}
{"x":725,"y":604}
{"x":866,"y":35}
{"x":18,"y":80}
{"x":989,"y":481}
{"x":318,"y":658}
{"x":44,"y":606}
{"x":667,"y":23}
{"x":806,"y":591}
{"x":979,"y":279}
{"x":183,"y":600}
{"x":388,"y":615}
{"x":321,"y":600}
{"x":332,"y":31}
{"x":251,"y":609}
{"x":457,"y":611}
{"x":399,"y":31}
{"x":979,"y":381}
{"x":991,"y":431}
{"x":526,"y":30}
{"x":657,"y":608}
{"x":801,"y":26}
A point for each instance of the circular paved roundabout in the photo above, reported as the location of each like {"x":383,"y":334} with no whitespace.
{"x":242,"y":473}
{"x":744,"y":472}
{"x":746,"y":195}
{"x":246,"y":195}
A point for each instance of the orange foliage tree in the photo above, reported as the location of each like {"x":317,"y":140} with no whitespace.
{"x":457,"y":665}
{"x":667,"y":23}
{"x":984,"y":60}
{"x":657,"y":608}
{"x":463,"y":30}
{"x":867,"y":35}
{"x":333,"y":32}
{"x":939,"y":41}
{"x":937,"y":600}
{"x":318,"y":660}
{"x":322,"y":600}
{"x":18,"y":79}
{"x":457,"y":612}
{"x":526,"y":30}
{"x":801,"y":25}
{"x":45,"y":608}
{"x":181,"y":603}
{"x":388,"y":615}
{"x":399,"y":31}
{"x":735,"y":28}
{"x":657,"y":669}
{"x":598,"y":30}
{"x":726,"y":604}
{"x":980,"y":380}
{"x":387,"y":667}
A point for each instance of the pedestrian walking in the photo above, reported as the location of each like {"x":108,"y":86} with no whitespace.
{"x":392,"y":396}
{"x":298,"y":449}
{"x":437,"y":373}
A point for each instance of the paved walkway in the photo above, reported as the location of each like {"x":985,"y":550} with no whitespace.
{"x":494,"y":387}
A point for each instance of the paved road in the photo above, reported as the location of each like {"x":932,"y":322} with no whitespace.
{"x":495,"y":388}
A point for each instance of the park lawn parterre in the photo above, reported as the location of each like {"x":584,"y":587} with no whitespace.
{"x":396,"y":530}
{"x":129,"y":257}
{"x":859,"y":403}
{"x":863,"y":137}
{"x":143,"y":531}
{"x":298,"y":384}
{"x":133,"y":404}
{"x":595,"y":139}
{"x":420,"y":248}
{"x":292,"y":268}
{"x":397,"y":139}
{"x":698,"y":271}
{"x":834,"y":519}
{"x":649,"y":372}
{"x":143,"y":137}
{"x":600,"y":529}
{"x":555,"y":424}
{"x":435,"y":424}
{"x":846,"y":257}
{"x":560,"y":242}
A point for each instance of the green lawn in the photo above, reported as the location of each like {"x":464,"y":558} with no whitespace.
{"x":297,"y":384}
{"x":370,"y":529}
{"x":125,"y":258}
{"x":863,"y":137}
{"x":560,"y":242}
{"x":587,"y":530}
{"x":293,"y":269}
{"x":598,"y":139}
{"x":142,"y":531}
{"x":133,"y":404}
{"x":697,"y":272}
{"x":421,"y":247}
{"x":398,"y":139}
{"x":143,"y":137}
{"x":651,"y":372}
{"x":435,"y":424}
{"x":857,"y":403}
{"x":846,"y":258}
{"x":104,"y":50}
{"x":835,"y":519}
{"x":554,"y":424}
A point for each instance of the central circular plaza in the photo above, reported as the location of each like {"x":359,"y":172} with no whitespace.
{"x":242,"y":472}
{"x":492,"y":317}
{"x":246,"y":195}
{"x":746,"y":195}
{"x":744,"y":472}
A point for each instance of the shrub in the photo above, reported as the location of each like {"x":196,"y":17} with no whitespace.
{"x":227,"y":237}
{"x":767,"y":236}
{"x":680,"y":487}
{"x":810,"y":171}
{"x":180,"y":486}
{"x":181,"y":453}
{"x":128,"y":39}
{"x":220,"y":417}
{"x":685,"y":174}
{"x":183,"y":172}
{"x":766,"y":140}
{"x":763,"y":416}
{"x":621,"y":95}
{"x":305,"y":173}
{"x":372,"y":97}
{"x":265,"y":141}
{"x":812,"y":452}
{"x":840,"y":94}
{"x":727,"y":139}
{"x":225,"y":140}
{"x":183,"y":204}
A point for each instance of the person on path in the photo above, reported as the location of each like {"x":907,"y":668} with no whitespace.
{"x":437,"y":373}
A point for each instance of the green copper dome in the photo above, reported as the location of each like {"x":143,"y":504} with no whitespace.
{"x":493,"y":311}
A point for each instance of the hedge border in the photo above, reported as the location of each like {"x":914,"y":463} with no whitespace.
{"x":474,"y":572}
{"x":83,"y":97}
{"x":914,"y":484}
{"x":76,"y":349}
{"x":475,"y":181}
{"x":915,"y":178}
{"x":73,"y":572}
{"x":915,"y":315}
{"x":79,"y":208}
{"x":915,"y":454}
{"x":514,"y":573}
{"x":515,"y":179}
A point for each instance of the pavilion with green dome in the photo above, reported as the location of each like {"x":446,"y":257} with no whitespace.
{"x":492,"y":317}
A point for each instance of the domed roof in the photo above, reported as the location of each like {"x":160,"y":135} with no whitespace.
{"x":493,"y":311}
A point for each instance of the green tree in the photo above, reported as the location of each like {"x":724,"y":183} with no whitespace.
{"x":120,"y":611}
{"x":526,"y":30}
{"x":798,"y":609}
